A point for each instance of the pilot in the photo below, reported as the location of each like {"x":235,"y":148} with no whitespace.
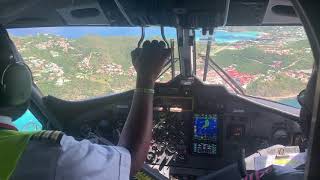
{"x":305,"y":99}
{"x":52,"y":154}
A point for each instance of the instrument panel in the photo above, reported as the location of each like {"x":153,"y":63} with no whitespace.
{"x":182,"y":132}
{"x":197,"y":127}
{"x":203,"y":127}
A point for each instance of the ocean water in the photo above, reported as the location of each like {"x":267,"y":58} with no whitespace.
{"x":291,"y":102}
{"x":231,"y":37}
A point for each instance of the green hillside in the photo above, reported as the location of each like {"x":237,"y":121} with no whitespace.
{"x":273,"y":66}
{"x":276,"y":69}
{"x":282,"y":85}
{"x":80,"y":68}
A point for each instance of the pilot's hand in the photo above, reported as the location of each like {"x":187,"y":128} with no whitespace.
{"x":148,"y":62}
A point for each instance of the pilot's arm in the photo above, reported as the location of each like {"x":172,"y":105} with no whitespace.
{"x":84,"y":160}
{"x":67,"y":158}
{"x":136,"y":134}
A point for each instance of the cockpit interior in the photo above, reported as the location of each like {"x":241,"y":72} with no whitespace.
{"x":199,"y":129}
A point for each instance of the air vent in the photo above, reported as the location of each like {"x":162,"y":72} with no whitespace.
{"x":283,"y":10}
{"x":85,"y":13}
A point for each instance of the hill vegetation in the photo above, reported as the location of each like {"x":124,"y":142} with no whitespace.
{"x":80,"y":68}
{"x":272,"y":66}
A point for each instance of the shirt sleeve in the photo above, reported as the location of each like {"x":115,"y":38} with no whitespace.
{"x":83,"y":160}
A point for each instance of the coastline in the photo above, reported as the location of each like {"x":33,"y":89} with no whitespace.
{"x":290,"y":100}
{"x":277,"y":98}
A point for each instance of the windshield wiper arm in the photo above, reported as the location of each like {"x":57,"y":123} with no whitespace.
{"x":224,"y":79}
{"x":230,"y":79}
{"x":206,"y":60}
{"x":225,"y":76}
{"x":172,"y":63}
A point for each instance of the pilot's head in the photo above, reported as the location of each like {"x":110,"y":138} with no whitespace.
{"x":15,"y":79}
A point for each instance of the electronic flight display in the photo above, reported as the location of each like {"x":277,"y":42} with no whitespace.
{"x":205,"y":136}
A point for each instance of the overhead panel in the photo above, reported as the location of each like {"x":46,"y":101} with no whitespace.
{"x":89,"y":14}
{"x":279,"y":11}
{"x":185,"y":13}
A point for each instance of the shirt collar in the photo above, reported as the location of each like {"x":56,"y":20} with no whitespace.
{"x":6,"y":123}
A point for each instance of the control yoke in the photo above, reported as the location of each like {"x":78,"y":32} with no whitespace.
{"x":162,"y":35}
{"x":142,"y":37}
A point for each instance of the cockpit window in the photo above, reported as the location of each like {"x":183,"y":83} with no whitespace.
{"x":272,"y":62}
{"x":75,"y":63}
{"x":72,"y":63}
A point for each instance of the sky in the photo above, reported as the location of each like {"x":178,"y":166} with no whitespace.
{"x":170,"y":33}
{"x":76,"y":32}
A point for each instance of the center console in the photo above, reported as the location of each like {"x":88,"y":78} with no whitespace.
{"x":185,"y":135}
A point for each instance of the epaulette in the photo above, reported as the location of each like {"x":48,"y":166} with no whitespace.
{"x":53,"y":136}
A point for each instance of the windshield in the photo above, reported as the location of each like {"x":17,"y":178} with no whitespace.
{"x":72,"y":63}
{"x":75,"y":63}
{"x":271,"y":62}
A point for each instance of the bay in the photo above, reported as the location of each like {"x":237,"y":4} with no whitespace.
{"x":291,"y":102}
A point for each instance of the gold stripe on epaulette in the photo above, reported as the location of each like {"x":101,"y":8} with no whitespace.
{"x":41,"y":134}
{"x":46,"y":134}
{"x":36,"y":135}
{"x":54,"y":136}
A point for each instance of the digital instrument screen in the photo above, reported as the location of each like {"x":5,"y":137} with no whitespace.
{"x":205,"y":134}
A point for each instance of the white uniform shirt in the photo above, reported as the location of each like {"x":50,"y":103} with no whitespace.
{"x":83,"y":160}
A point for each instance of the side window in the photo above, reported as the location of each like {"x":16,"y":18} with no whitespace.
{"x":28,"y":122}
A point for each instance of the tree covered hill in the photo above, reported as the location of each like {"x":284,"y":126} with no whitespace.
{"x":79,"y":68}
{"x":96,"y":65}
{"x":277,"y":70}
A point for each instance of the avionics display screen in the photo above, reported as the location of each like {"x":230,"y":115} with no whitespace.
{"x":205,"y":134}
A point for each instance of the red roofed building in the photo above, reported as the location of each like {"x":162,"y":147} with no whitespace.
{"x":242,"y":78}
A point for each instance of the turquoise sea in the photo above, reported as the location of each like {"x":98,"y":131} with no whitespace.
{"x":291,"y":102}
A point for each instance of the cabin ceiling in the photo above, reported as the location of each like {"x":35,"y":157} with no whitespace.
{"x":186,"y":13}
